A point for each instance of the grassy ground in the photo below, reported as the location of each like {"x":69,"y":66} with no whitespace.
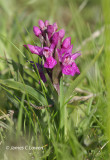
{"x":69,"y":130}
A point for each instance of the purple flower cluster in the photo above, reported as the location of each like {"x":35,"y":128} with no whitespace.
{"x":54,"y":51}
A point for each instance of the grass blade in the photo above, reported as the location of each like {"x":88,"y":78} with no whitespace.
{"x":78,"y":80}
{"x":19,"y":86}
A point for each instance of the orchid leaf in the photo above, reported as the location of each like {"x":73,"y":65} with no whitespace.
{"x":25,"y":89}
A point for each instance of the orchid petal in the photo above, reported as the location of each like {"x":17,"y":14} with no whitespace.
{"x":50,"y":63}
{"x":66,"y":59}
{"x":75,"y":55}
{"x":47,"y":52}
{"x":74,"y":66}
{"x":34,"y":49}
{"x":68,"y":70}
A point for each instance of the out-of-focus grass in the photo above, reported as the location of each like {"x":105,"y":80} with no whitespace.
{"x":106,"y":12}
{"x":72,"y":131}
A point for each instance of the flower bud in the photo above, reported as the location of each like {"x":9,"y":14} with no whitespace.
{"x":61,"y":33}
{"x":55,"y":38}
{"x":50,"y":30}
{"x":37,"y":31}
{"x":66,"y":43}
{"x":46,"y":23}
{"x":55,"y":27}
{"x":41,"y":24}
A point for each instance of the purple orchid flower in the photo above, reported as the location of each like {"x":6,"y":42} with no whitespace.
{"x":68,"y":63}
{"x":54,"y":51}
{"x":67,"y":59}
{"x":70,"y":69}
{"x":50,"y":62}
{"x":47,"y":52}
